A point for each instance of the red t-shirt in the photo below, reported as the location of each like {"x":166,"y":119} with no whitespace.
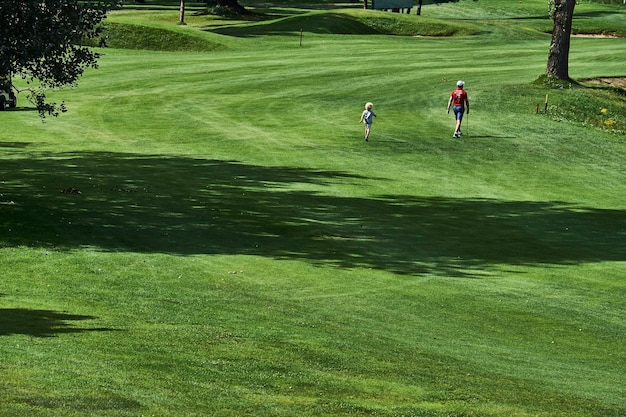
{"x":459,"y":97}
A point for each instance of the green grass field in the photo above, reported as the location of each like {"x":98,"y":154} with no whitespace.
{"x":205,"y":232}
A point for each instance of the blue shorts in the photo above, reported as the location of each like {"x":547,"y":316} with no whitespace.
{"x":458,"y":112}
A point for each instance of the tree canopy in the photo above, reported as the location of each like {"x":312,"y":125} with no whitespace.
{"x":40,"y":40}
{"x":232,"y":5}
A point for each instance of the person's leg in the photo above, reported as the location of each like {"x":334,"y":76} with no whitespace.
{"x":367,"y":131}
{"x":458,"y":114}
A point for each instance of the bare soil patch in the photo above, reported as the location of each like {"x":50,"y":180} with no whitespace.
{"x":614,"y":81}
{"x":596,"y":35}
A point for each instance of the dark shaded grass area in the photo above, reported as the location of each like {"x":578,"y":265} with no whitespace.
{"x":342,"y":24}
{"x":183,"y":206}
{"x":41,"y":323}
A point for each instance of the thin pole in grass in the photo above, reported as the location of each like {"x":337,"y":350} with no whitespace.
{"x":467,"y":120}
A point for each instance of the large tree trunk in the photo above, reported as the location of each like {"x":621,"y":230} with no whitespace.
{"x":558,"y":56}
{"x":181,"y":19}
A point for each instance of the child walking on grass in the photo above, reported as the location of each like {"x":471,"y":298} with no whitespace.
{"x":367,"y":118}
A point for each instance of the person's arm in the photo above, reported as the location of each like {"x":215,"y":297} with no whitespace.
{"x":361,"y":119}
{"x":449,"y":103}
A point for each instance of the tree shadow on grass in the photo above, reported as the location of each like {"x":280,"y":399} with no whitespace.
{"x":40,"y":323}
{"x":327,"y":23}
{"x":4,"y":144}
{"x":183,"y":206}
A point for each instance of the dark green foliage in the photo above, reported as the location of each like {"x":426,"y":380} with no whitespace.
{"x":40,"y":42}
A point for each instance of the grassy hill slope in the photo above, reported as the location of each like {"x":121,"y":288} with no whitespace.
{"x":205,"y":232}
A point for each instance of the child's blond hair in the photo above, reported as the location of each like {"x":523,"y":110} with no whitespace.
{"x":368,"y":105}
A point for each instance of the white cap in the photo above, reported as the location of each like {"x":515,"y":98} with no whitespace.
{"x":460,"y":83}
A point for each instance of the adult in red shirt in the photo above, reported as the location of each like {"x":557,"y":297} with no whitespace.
{"x":459,"y":102}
